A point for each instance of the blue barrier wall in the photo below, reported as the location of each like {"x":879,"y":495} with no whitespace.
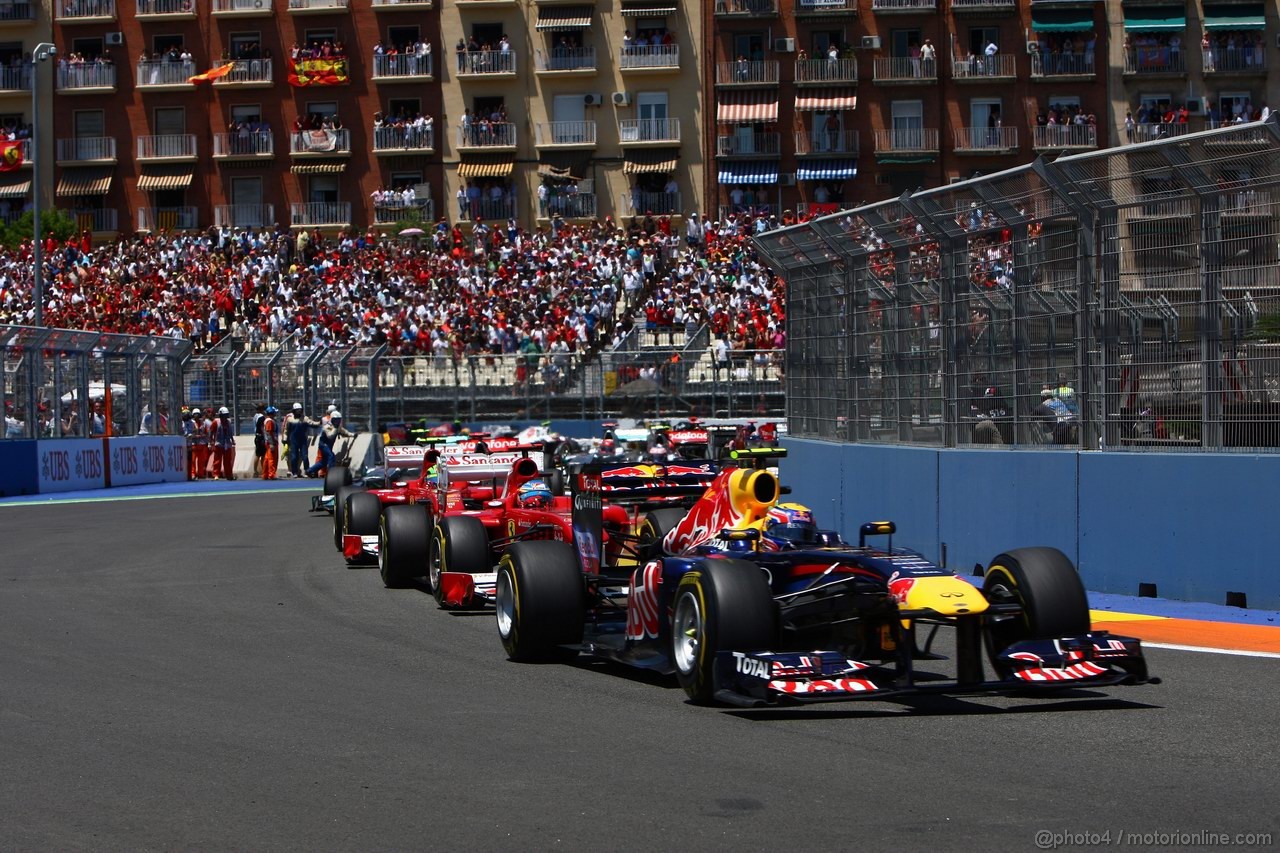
{"x":18,"y":474}
{"x":1198,"y":526}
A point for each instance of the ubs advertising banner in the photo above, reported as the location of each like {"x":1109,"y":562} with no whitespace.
{"x":70,"y":464}
{"x":73,"y":464}
{"x":148,"y":459}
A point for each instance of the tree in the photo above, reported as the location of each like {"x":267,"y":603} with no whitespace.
{"x":61,"y":223}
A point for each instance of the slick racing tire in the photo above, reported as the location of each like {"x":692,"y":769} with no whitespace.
{"x":363,"y":514}
{"x":340,"y":513}
{"x":1044,"y":583}
{"x":555,"y":481}
{"x":461,"y":545}
{"x":404,"y":545}
{"x":720,"y":605}
{"x":540,"y":600}
{"x":654,"y":528}
{"x":335,"y":478}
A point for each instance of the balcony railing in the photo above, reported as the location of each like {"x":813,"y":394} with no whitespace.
{"x":747,"y":144}
{"x":88,"y":75}
{"x":1065,"y":136}
{"x":169,"y":146}
{"x":566,"y":133}
{"x":87,"y":149}
{"x":16,"y":78}
{"x":255,"y":145}
{"x":991,"y":139}
{"x":984,"y":67}
{"x":247,"y":71}
{"x":1152,"y":132}
{"x":484,"y":62}
{"x":28,"y":152}
{"x":907,"y":139}
{"x":746,"y":7}
{"x":306,"y":214}
{"x":650,"y":56}
{"x":166,"y":8}
{"x":904,"y":69}
{"x":181,"y":218}
{"x":1154,"y":60}
{"x":567,"y":59}
{"x":320,"y":142}
{"x":402,"y":5}
{"x":243,"y":8}
{"x":1235,"y":60}
{"x":649,"y":130}
{"x":500,"y":135}
{"x":640,"y":202}
{"x":825,"y":7}
{"x":982,"y":5}
{"x":568,"y":206}
{"x":71,"y":10}
{"x":1061,"y":65}
{"x":747,"y":73}
{"x":403,"y":65}
{"x":245,"y":215}
{"x":754,"y":210}
{"x":833,"y":142}
{"x":827,"y":71}
{"x":164,"y":74}
{"x":16,"y":12}
{"x":405,"y":139}
{"x":903,"y":5}
{"x":422,"y":210}
{"x":494,"y":208}
{"x":318,"y":6}
{"x":95,"y":219}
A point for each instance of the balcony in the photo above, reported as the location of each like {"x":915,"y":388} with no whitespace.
{"x":984,"y":69}
{"x":649,"y":131}
{"x":320,"y":214}
{"x":487,"y":64}
{"x":495,"y":208}
{"x":403,"y":5}
{"x":422,"y":210}
{"x":639,"y":203}
{"x":160,"y":10}
{"x":259,"y":145}
{"x":164,"y":76}
{"x":404,"y":68}
{"x":1154,"y":60}
{"x":320,"y":143}
{"x":982,"y":7}
{"x":17,"y":15}
{"x":1151,"y":132}
{"x":568,"y":206}
{"x":566,"y":134}
{"x":822,"y":144}
{"x":897,"y":7}
{"x":650,"y":58}
{"x":1049,"y":67}
{"x":825,"y":8}
{"x":318,"y":7}
{"x":89,"y":78}
{"x":986,"y":140}
{"x":86,"y":150}
{"x":404,"y":141}
{"x":491,"y":137}
{"x":749,"y":145}
{"x":15,"y":78}
{"x":1061,"y":137}
{"x":908,"y":140}
{"x":760,"y":209}
{"x":181,"y":218}
{"x":904,"y":70}
{"x":86,"y":11}
{"x":567,"y":61}
{"x":482,"y":3}
{"x":824,"y":72}
{"x":247,"y":74}
{"x":167,"y":148}
{"x":746,"y":8}
{"x":1237,"y":60}
{"x":243,"y":8}
{"x":244,"y":215}
{"x":95,"y":219}
{"x":747,"y":72}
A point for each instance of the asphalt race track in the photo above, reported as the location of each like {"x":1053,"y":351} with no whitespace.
{"x":205,"y":673}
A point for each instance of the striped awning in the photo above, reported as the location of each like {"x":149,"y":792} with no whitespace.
{"x":319,"y":168}
{"x":559,"y":18}
{"x":656,"y":160}
{"x":164,"y":179}
{"x":658,"y":10}
{"x":564,"y":165}
{"x":827,"y":170}
{"x":486,"y":168}
{"x":1247,"y":16}
{"x":90,"y":181}
{"x":751,"y":105}
{"x":814,"y":100}
{"x":15,"y":186}
{"x":749,"y":172}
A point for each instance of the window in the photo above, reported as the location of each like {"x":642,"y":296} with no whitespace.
{"x":487,"y":106}
{"x":901,"y":42}
{"x":402,"y":37}
{"x":980,"y":37}
{"x":162,"y":44}
{"x":245,"y":45}
{"x":318,"y":111}
{"x":246,"y":113}
{"x":982,"y":111}
{"x":11,"y":53}
{"x":400,"y":180}
{"x":323,"y":189}
{"x":88,"y":123}
{"x":907,"y":115}
{"x":487,"y":35}
{"x":905,"y":182}
{"x":167,"y":200}
{"x":90,"y":48}
{"x":409,"y":107}
{"x":246,"y":191}
{"x":568,"y":108}
{"x":1067,"y":101}
{"x":750,"y":45}
{"x":320,"y":36}
{"x":170,"y":121}
{"x":823,"y":39}
{"x":1232,"y":104}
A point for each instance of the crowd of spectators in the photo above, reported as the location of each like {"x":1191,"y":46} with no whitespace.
{"x":316,"y":49}
{"x":1069,"y":53}
{"x":409,"y":59}
{"x":484,"y":57}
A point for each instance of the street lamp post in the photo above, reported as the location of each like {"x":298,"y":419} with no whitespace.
{"x":42,"y":52}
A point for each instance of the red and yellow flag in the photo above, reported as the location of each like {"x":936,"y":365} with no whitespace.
{"x":318,"y":72}
{"x":10,"y":156}
{"x":212,"y":73}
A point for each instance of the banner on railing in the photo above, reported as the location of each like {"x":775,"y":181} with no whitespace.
{"x":318,"y":72}
{"x":317,"y":140}
{"x":147,"y":459}
{"x":68,"y":465}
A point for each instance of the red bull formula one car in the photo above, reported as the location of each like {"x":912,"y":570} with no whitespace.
{"x":749,"y":603}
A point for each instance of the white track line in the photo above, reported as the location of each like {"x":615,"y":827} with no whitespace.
{"x":1210,"y":650}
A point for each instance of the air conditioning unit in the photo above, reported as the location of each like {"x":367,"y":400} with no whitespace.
{"x":784,"y":45}
{"x":594,"y":100}
{"x":622,"y":99}
{"x":871,"y":42}
{"x":1033,"y":47}
{"x":786,"y":179}
{"x":114,"y":39}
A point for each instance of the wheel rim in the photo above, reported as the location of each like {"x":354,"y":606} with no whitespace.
{"x":687,"y":632}
{"x":505,"y":600}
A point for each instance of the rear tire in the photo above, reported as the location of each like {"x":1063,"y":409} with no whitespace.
{"x":1047,"y":586}
{"x":540,"y":601}
{"x":461,"y":544}
{"x":404,"y":545}
{"x":363,"y":514}
{"x":555,"y":481}
{"x":654,"y":528}
{"x":340,"y":513}
{"x":722,"y":605}
{"x":335,"y":478}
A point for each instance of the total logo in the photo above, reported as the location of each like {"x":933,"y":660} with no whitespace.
{"x":754,"y":667}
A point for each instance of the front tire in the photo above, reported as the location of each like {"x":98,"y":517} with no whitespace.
{"x":1045,"y":584}
{"x":461,"y":545}
{"x":540,"y":601}
{"x":340,"y":513}
{"x":655,"y":527}
{"x":404,"y":545}
{"x":722,"y":605}
{"x":363,"y":514}
{"x":335,"y":478}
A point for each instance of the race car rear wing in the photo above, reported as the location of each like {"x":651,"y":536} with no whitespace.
{"x":587,"y":489}
{"x":403,"y":456}
{"x":474,"y":467}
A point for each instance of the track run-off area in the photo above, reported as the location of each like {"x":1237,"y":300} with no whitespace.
{"x":196,"y":667}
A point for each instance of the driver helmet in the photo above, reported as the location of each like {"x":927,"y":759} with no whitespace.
{"x":790,"y":525}
{"x":533,"y":494}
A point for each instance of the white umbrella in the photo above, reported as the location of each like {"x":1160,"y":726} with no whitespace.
{"x":97,"y":391}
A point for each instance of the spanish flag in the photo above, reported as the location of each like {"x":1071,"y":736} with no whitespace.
{"x":10,"y":156}
{"x":212,"y":73}
{"x":318,"y":72}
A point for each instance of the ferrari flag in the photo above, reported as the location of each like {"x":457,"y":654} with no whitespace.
{"x":318,"y":72}
{"x":212,"y":73}
{"x":10,"y":156}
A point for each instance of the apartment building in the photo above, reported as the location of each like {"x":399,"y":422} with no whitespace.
{"x":23,"y":25}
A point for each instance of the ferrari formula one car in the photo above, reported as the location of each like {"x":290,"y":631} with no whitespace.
{"x":749,"y":604}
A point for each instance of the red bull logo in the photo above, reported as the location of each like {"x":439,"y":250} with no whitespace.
{"x":642,"y":606}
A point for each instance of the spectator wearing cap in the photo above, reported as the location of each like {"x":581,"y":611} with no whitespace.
{"x":297,"y":435}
